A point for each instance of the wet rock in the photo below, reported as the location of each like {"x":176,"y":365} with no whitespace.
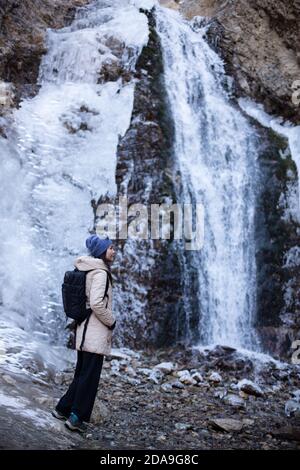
{"x":130,"y":371}
{"x":220,"y":393}
{"x":222,"y":350}
{"x":177,"y":384}
{"x":251,"y":388}
{"x":296,"y":395}
{"x":166,"y":387}
{"x":287,"y":433}
{"x":197,"y":376}
{"x":292,"y":408}
{"x":156,"y":376}
{"x":227,"y":424}
{"x":252,"y":49}
{"x":243,"y":395}
{"x":166,"y":367}
{"x":183,"y":426}
{"x":234,"y":400}
{"x":152,"y":267}
{"x":132,"y":380}
{"x":233,"y":362}
{"x":186,"y":378}
{"x":144,"y":371}
{"x":215,"y":378}
{"x":124,"y":353}
{"x":248,"y":422}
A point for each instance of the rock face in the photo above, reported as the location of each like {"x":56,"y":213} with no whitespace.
{"x":259,"y":41}
{"x":23,"y":25}
{"x":148,"y":271}
{"x":277,"y":237}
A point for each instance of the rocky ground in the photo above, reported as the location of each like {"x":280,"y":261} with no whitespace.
{"x":164,"y":399}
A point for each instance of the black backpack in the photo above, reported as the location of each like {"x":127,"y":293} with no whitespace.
{"x":74,"y":297}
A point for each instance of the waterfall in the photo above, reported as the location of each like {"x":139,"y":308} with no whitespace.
{"x":215,"y":151}
{"x":61,"y":153}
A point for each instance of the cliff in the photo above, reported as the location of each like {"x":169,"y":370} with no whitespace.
{"x":259,"y":41}
{"x":23,"y":26}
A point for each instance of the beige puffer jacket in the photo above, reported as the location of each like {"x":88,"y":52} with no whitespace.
{"x":98,"y":335}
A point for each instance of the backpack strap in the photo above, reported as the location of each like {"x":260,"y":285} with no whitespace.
{"x":85,"y":328}
{"x":108,"y":278}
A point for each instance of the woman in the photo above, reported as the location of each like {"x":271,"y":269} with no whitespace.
{"x":77,"y":404}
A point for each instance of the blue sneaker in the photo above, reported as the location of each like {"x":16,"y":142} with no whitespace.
{"x":75,"y":424}
{"x":58,"y":415}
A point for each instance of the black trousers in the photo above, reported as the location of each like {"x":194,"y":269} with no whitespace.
{"x":81,"y":394}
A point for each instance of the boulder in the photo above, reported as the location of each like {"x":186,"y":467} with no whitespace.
{"x":166,"y":367}
{"x":215,"y":378}
{"x":197,"y":376}
{"x":227,"y":424}
{"x":251,"y":388}
{"x":234,"y":400}
{"x":186,"y":378}
{"x":100,"y":412}
{"x":292,"y":408}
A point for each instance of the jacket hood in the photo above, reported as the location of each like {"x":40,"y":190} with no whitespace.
{"x":85,"y":263}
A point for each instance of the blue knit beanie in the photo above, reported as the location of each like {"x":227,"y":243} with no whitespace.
{"x":97,"y":246}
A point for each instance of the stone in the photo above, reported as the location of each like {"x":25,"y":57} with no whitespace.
{"x":166,"y":387}
{"x":186,"y":378}
{"x":183,"y":426}
{"x":251,"y":388}
{"x":9,"y":380}
{"x":50,"y":402}
{"x":197,"y":376}
{"x":156,"y":376}
{"x":130,"y":371}
{"x":6,"y":95}
{"x":215,"y":378}
{"x":132,"y":381}
{"x":243,"y":395}
{"x":292,"y":408}
{"x":162,"y":437}
{"x":124,"y":353}
{"x":290,"y":433}
{"x":227,"y":424}
{"x":177,"y":384}
{"x":100,"y":412}
{"x":234,"y":400}
{"x":296,"y":395}
{"x":144,"y":370}
{"x":248,"y":422}
{"x":166,"y":367}
{"x":220,"y":393}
